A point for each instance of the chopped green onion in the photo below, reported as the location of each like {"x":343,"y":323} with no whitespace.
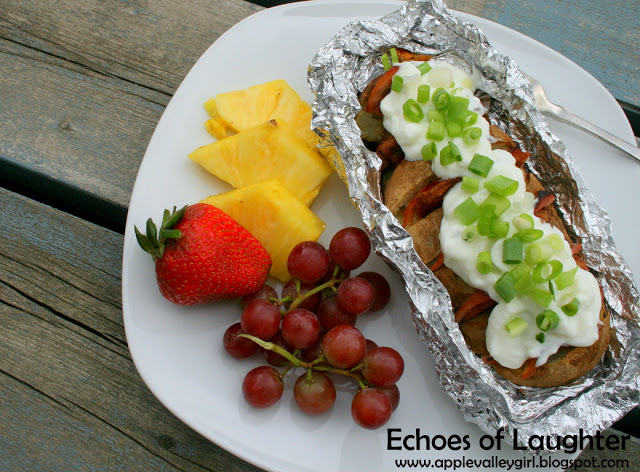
{"x":546,"y":271}
{"x":424,"y":68}
{"x":547,"y":320}
{"x":471,"y":136}
{"x":454,"y":129}
{"x":480,"y":165}
{"x":505,"y":286}
{"x":436,"y":131}
{"x":486,"y":219}
{"x":537,"y":253}
{"x":500,"y":203}
{"x":555,"y":241}
{"x":386,"y":63}
{"x":394,"y":55}
{"x":457,"y":105}
{"x":541,"y":297}
{"x":423,"y":93}
{"x":502,"y":185}
{"x":455,"y":152}
{"x":429,"y":151}
{"x":525,"y":284}
{"x":396,"y":83}
{"x":470,"y":184}
{"x":529,"y":235}
{"x":412,"y":111}
{"x":441,"y":99}
{"x":470,"y":233}
{"x":499,"y":229}
{"x":516,"y":326}
{"x":521,"y":270}
{"x":565,"y":279}
{"x":540,"y":337}
{"x":435,"y":115}
{"x":467,"y":212}
{"x":450,"y":154}
{"x":484,"y":263}
{"x":512,"y":251}
{"x":523,"y":221}
{"x":571,"y":308}
{"x":552,"y":290}
{"x":469,"y":118}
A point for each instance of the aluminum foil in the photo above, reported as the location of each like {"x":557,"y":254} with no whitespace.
{"x":342,"y":68}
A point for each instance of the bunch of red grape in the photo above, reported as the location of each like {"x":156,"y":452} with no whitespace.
{"x":312,"y":326}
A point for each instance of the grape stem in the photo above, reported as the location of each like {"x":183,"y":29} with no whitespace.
{"x":301,"y":297}
{"x":348,"y":373}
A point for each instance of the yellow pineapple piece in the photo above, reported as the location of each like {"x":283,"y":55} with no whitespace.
{"x":241,"y":110}
{"x":267,"y":151}
{"x":274,"y":216}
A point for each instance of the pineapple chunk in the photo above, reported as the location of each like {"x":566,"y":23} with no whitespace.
{"x":274,"y":216}
{"x":268,"y":151}
{"x":241,"y":110}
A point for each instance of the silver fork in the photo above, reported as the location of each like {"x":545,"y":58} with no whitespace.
{"x":562,"y":114}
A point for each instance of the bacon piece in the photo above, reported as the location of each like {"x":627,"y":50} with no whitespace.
{"x":520,"y":156}
{"x":529,"y":368}
{"x":380,"y":88}
{"x":576,"y":248}
{"x":431,"y":197}
{"x":502,"y":139}
{"x":389,"y":151}
{"x":405,"y":55}
{"x":477,"y":303}
{"x":439,"y":262}
{"x":487,"y":359}
{"x":582,"y":264}
{"x":543,"y":202}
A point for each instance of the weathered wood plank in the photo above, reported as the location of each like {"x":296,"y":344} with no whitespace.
{"x":602,"y":37}
{"x":70,"y":396}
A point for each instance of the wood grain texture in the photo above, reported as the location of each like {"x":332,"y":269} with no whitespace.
{"x":601,"y":37}
{"x":70,"y":396}
{"x":83,"y":84}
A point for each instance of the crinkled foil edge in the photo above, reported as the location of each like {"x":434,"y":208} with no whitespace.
{"x":343,"y":67}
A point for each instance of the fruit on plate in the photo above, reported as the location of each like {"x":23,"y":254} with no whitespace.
{"x":270,"y":150}
{"x":202,"y":255}
{"x":241,"y":110}
{"x":274,"y":216}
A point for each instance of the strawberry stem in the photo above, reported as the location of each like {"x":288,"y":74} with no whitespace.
{"x":153,"y":241}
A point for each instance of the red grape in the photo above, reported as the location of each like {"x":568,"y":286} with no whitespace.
{"x":330,"y":315}
{"x":393,"y":393}
{"x":310,"y":303}
{"x":383,"y":366}
{"x":381,"y":289}
{"x":355,"y":296}
{"x":349,"y":248}
{"x":273,"y":357}
{"x":260,"y":319}
{"x":300,"y":328}
{"x":308,"y":261}
{"x":311,"y":353}
{"x":314,"y":392}
{"x":343,"y":346}
{"x":371,"y":408}
{"x":262,"y":387}
{"x":370,"y":344}
{"x":265,"y":293}
{"x":237,"y":346}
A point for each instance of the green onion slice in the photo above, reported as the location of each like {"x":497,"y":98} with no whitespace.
{"x":523,"y":221}
{"x":470,"y":233}
{"x":455,"y":152}
{"x":480,"y":165}
{"x":540,"y":337}
{"x":423,"y":93}
{"x":541,"y":297}
{"x":441,"y":98}
{"x":471,"y":136}
{"x":457,"y":105}
{"x":436,"y":131}
{"x":525,"y":284}
{"x":500,"y":203}
{"x":424,"y":68}
{"x":429,"y":151}
{"x":396,"y":83}
{"x":394,"y":55}
{"x":470,"y":184}
{"x":537,"y":253}
{"x":450,"y":154}
{"x":547,"y":320}
{"x":435,"y":115}
{"x":484,"y":263}
{"x":546,"y":271}
{"x":555,"y":241}
{"x":565,"y":279}
{"x":516,"y":326}
{"x":505,"y":287}
{"x":486,"y":219}
{"x":412,"y":111}
{"x":467,"y":212}
{"x":502,"y":185}
{"x":454,"y":129}
{"x":499,"y":229}
{"x":529,"y":235}
{"x":512,"y":251}
{"x":386,"y":63}
{"x":571,"y":308}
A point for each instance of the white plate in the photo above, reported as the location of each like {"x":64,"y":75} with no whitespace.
{"x":178,"y":351}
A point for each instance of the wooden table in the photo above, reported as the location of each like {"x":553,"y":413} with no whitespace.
{"x":82,"y":86}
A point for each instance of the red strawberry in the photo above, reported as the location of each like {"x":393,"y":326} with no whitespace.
{"x":203,"y":255}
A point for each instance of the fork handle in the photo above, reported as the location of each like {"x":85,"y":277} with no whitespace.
{"x":569,"y":117}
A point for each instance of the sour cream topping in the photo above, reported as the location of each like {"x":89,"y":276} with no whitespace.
{"x":509,"y":348}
